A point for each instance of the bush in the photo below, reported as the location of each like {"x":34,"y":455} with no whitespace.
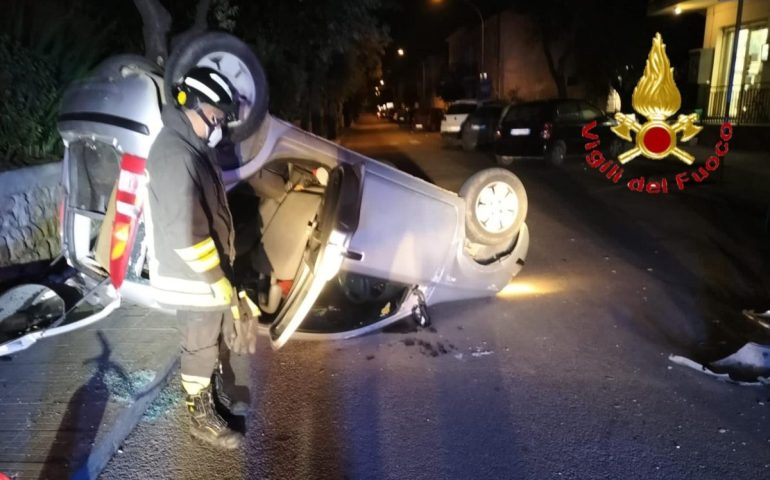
{"x":30,"y":96}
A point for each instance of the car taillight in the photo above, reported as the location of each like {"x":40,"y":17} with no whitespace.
{"x":547,"y":130}
{"x":128,"y":208}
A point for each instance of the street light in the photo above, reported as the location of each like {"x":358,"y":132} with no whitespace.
{"x":382,"y":82}
{"x":481,"y":17}
{"x":400,"y":52}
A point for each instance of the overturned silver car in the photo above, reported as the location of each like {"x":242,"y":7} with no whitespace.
{"x":332,"y":244}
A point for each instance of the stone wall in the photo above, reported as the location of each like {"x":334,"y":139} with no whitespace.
{"x":29,"y":224}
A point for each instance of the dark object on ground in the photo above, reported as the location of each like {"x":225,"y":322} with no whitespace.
{"x":427,"y":119}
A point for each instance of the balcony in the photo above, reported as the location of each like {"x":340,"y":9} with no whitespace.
{"x":750,"y":104}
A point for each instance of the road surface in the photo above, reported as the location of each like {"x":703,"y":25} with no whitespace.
{"x":566,"y":376}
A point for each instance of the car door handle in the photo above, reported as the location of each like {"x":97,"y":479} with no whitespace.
{"x":351,"y":255}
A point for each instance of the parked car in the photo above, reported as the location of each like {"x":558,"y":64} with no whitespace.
{"x":478,"y":130}
{"x":453,"y":119}
{"x":403,"y":117}
{"x":331,"y":243}
{"x":549,"y":129}
{"x":427,"y":119}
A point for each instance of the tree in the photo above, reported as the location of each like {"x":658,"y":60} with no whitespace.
{"x":590,"y":39}
{"x":157,"y":23}
{"x":317,"y":55}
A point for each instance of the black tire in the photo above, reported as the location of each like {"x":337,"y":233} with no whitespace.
{"x":471,"y":190}
{"x":189,"y":54}
{"x":504,"y":160}
{"x":470,"y":140}
{"x":556,"y":153}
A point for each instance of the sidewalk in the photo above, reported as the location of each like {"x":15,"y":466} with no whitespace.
{"x":63,"y":396}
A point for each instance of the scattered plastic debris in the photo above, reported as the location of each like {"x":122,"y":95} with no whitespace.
{"x":686,"y":362}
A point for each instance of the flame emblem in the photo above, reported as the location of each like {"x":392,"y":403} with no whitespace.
{"x":657,"y":98}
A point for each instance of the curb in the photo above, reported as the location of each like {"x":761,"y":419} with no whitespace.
{"x":105,"y":448}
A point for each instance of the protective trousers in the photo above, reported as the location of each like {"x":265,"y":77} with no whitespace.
{"x":200,"y":347}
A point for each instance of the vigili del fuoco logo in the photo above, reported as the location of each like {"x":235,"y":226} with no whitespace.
{"x":656,"y":98}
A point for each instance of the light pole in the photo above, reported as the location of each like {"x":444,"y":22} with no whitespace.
{"x":481,"y":18}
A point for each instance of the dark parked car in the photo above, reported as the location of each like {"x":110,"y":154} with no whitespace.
{"x":479,"y":128}
{"x":549,"y":129}
{"x":403,"y":117}
{"x":427,"y":119}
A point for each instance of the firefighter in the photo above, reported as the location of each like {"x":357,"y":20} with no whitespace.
{"x":191,"y":232}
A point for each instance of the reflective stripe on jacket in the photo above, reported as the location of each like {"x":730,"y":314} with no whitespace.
{"x":190,"y":226}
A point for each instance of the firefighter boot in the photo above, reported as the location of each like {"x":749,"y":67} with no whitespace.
{"x":207,"y":425}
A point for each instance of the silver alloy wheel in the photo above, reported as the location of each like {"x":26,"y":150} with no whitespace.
{"x":497,"y":207}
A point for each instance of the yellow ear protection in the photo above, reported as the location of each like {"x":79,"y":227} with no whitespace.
{"x":182,"y":96}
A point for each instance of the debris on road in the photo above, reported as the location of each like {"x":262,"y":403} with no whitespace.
{"x":429,"y":349}
{"x":751,"y":361}
{"x":481,"y":353}
{"x":124,"y":387}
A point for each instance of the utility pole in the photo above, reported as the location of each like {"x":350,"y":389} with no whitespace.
{"x":731,"y":75}
{"x":733,"y":59}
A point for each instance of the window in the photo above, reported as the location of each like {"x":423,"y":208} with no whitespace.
{"x":527,"y":113}
{"x":748,"y":64}
{"x":461,"y":108}
{"x":589,"y":112}
{"x":568,"y":112}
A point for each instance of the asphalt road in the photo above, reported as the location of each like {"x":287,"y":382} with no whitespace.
{"x":566,"y":377}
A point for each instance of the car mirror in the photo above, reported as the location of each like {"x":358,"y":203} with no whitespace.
{"x":27,"y":308}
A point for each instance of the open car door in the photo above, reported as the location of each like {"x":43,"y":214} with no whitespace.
{"x":334,"y":225}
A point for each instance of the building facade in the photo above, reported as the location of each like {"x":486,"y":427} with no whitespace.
{"x":749,"y":102}
{"x":514,"y":62}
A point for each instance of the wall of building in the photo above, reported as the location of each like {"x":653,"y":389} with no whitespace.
{"x":721,"y":17}
{"x":514,"y":59}
{"x":29,"y":226}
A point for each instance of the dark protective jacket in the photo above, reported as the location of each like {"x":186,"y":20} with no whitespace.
{"x":190,"y":225}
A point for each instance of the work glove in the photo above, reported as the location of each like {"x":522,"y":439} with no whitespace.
{"x":240,"y":329}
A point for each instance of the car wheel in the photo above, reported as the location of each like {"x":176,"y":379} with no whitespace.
{"x":495,"y":206}
{"x":236,"y":61}
{"x":504,"y":160}
{"x":557,"y":152}
{"x":469,"y":139}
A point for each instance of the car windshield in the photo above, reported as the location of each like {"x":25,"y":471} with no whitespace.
{"x":527,"y":113}
{"x":461,"y":108}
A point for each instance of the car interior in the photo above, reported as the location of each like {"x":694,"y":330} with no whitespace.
{"x":277,"y":216}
